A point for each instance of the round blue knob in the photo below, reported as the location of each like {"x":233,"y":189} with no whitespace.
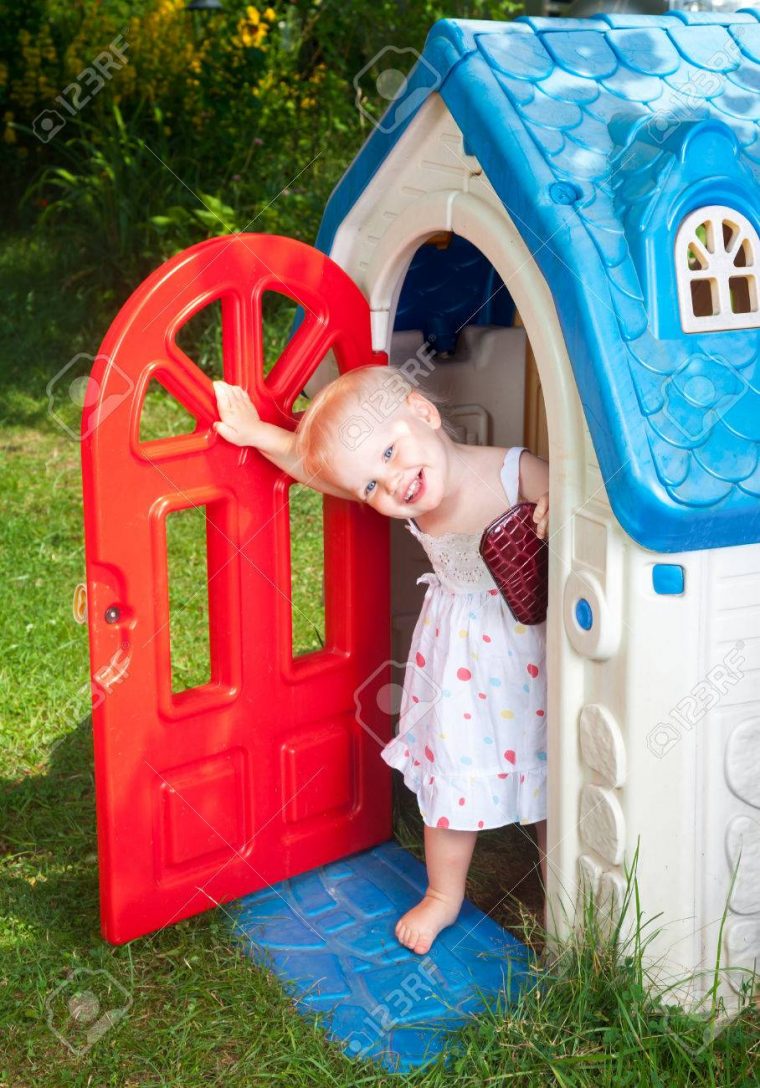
{"x":583,"y":614}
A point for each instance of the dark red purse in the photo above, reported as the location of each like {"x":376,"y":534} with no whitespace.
{"x":518,"y":560}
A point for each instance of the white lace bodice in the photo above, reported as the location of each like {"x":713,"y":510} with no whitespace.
{"x":455,"y":557}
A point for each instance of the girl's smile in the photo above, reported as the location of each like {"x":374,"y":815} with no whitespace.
{"x":416,"y":489}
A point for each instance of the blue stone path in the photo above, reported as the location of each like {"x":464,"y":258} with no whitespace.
{"x":328,"y":935}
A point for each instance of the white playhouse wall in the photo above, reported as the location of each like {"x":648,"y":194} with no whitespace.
{"x":621,"y":769}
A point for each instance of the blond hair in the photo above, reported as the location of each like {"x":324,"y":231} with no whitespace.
{"x":360,"y":398}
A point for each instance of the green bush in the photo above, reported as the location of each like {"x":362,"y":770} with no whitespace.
{"x":251,"y":109}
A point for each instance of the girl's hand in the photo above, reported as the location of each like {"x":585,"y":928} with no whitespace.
{"x":240,"y":423}
{"x":541,"y":515}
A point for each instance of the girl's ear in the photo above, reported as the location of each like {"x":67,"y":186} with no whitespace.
{"x":424,"y":409}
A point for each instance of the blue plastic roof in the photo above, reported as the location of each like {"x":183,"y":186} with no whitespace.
{"x":599,"y":135}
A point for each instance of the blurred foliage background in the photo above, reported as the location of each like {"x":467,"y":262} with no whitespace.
{"x":203,"y":122}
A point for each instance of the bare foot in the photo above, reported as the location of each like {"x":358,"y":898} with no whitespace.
{"x":419,"y":927}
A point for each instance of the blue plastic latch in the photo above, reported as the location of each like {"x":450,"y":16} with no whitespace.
{"x":564,"y":192}
{"x":583,"y":614}
{"x":667,"y":578}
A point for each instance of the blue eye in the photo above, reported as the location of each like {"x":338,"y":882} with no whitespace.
{"x":387,"y":454}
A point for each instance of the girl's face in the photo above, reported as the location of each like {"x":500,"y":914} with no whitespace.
{"x":399,"y":468}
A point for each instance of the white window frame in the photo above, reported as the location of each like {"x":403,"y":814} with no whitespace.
{"x":717,"y":267}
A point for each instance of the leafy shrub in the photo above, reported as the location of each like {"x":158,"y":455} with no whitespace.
{"x":251,"y":109}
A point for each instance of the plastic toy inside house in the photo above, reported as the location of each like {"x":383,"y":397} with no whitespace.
{"x":557,"y":223}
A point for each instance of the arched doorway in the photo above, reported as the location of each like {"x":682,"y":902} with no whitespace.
{"x":551,"y":424}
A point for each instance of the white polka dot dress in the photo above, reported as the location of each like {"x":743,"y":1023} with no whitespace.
{"x":472,"y":728}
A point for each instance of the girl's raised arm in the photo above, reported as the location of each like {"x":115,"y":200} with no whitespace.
{"x":241,"y":425}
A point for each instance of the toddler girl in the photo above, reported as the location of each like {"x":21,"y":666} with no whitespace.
{"x":472,"y":729}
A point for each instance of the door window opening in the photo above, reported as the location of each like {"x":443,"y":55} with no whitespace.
{"x":186,"y":543}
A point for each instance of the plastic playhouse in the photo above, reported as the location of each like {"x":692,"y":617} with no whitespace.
{"x":568,"y":212}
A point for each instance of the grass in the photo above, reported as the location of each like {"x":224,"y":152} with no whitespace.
{"x":199,"y":1012}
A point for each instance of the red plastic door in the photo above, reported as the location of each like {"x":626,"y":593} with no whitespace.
{"x":271,"y":767}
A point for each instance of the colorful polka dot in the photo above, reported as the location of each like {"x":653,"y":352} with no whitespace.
{"x":463,"y":633}
{"x":488,"y":740}
{"x":415,"y":698}
{"x":526,"y":687}
{"x":510,"y":755}
{"x":507,"y":714}
{"x":495,"y":682}
{"x":461,"y":800}
{"x":482,"y":695}
{"x":464,"y":674}
{"x":473,"y":615}
{"x":442,"y":822}
{"x":446,"y":693}
{"x":503,"y":774}
{"x":468,"y":716}
{"x":429,"y":754}
{"x":533,"y":671}
{"x":486,"y":638}
{"x":466,"y":760}
{"x":492,"y":592}
{"x":541,"y":755}
{"x":520,"y":629}
{"x":420,"y":660}
{"x":480,"y":823}
{"x":540,"y":713}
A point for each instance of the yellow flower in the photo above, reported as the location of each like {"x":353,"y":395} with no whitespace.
{"x":252,"y":37}
{"x":253,"y":16}
{"x":270,"y":14}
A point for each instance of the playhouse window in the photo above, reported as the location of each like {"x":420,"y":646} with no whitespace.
{"x":716,"y":268}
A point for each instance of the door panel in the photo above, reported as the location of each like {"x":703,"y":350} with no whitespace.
{"x":266,"y":770}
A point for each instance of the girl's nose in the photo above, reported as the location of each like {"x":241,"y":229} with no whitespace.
{"x":393,"y":482}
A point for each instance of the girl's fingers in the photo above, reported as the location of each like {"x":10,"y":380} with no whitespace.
{"x":222,"y":391}
{"x":228,"y":432}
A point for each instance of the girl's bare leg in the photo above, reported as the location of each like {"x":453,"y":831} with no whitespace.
{"x":541,"y":841}
{"x":447,"y":857}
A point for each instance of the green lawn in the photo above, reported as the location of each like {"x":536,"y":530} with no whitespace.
{"x":198,"y":1011}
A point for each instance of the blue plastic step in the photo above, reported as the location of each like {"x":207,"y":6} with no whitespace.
{"x":328,"y":935}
